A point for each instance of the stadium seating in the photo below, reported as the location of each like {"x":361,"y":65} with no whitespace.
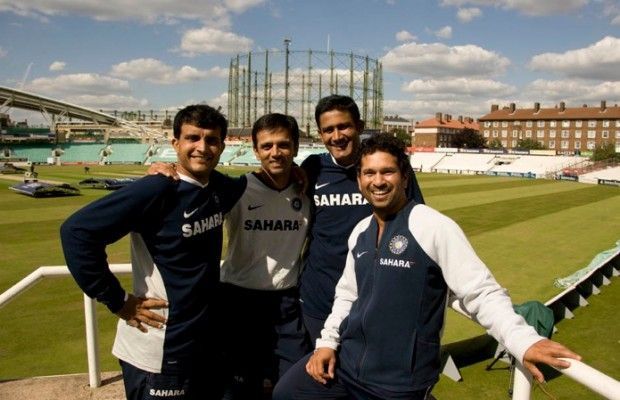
{"x":425,"y":162}
{"x":82,"y":152}
{"x":36,"y":153}
{"x":128,"y":153}
{"x":464,"y":163}
{"x":536,"y":166}
{"x":609,"y":175}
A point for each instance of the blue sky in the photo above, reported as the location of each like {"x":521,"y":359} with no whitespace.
{"x":451,"y":56}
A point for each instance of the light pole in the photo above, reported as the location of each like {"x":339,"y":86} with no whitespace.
{"x":287,"y":42}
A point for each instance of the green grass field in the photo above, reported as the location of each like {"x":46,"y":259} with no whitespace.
{"x":529,"y":232}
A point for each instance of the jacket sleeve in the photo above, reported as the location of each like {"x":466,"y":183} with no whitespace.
{"x":86,"y":233}
{"x":413,"y":189}
{"x":345,"y":296}
{"x":470,"y":280}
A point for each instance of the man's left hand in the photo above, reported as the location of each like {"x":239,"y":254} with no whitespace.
{"x":548,"y":352}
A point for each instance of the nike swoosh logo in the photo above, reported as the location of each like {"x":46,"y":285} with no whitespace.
{"x":317,"y":186}
{"x":251,"y":207}
{"x":361,"y":254}
{"x":189,"y":214}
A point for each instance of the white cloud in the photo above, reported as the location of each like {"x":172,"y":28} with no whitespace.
{"x":423,"y":109}
{"x":210,"y":40}
{"x":64,"y":86}
{"x":107,"y":102}
{"x":155,"y":71}
{"x":57,"y":66}
{"x":528,"y":7}
{"x":458,"y":87}
{"x":616,"y":21}
{"x":598,"y":61}
{"x":438,"y":60}
{"x":404,"y":36}
{"x":3,"y":52}
{"x":574,"y":92}
{"x":219,"y":101}
{"x":444,"y":33}
{"x":217,"y":12}
{"x":466,"y":15}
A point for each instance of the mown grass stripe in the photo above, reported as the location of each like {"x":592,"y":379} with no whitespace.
{"x":478,"y":219}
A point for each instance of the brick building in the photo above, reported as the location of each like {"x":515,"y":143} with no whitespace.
{"x":439,"y":131}
{"x":561,"y":128}
{"x":394,"y":123}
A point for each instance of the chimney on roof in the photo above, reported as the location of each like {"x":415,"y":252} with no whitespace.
{"x":461,"y":119}
{"x":438,"y":117}
{"x":513,"y":107}
{"x":603,"y":105}
{"x":536,"y":107}
{"x":448,"y":117}
{"x":585,"y":106}
{"x":494,"y":107}
{"x":562,"y":106}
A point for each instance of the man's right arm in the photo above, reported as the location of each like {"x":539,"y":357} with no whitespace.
{"x":86,"y":233}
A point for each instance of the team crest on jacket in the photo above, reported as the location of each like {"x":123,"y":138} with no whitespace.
{"x":398,"y":244}
{"x":296,"y":204}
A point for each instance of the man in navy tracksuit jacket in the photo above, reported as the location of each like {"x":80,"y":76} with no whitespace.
{"x":166,"y":335}
{"x":338,"y":206}
{"x":389,"y":307}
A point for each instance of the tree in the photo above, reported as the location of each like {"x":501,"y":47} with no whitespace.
{"x":468,"y":138}
{"x":605,"y":151}
{"x":530,"y":144}
{"x":495,"y":144}
{"x":402,"y":135}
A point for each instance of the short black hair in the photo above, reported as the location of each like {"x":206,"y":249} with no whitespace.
{"x":202,"y":116}
{"x":386,"y":143}
{"x":336,"y":102}
{"x":274,"y":121}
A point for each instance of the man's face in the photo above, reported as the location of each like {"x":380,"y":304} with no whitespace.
{"x":198,"y":151}
{"x":381,"y":183}
{"x":275,"y":150}
{"x":340,"y":135}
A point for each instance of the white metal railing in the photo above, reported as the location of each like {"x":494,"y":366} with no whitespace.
{"x":90,"y":317}
{"x":582,"y":373}
{"x":591,"y":378}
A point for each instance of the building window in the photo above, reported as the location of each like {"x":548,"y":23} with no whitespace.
{"x":592,"y":123}
{"x":578,"y":134}
{"x":552,"y":144}
{"x":486,"y":133}
{"x":566,"y":124}
{"x":565,"y":133}
{"x":528,"y":133}
{"x":618,"y":123}
{"x":552,"y":133}
{"x":605,"y":134}
{"x":606,"y":124}
{"x":591,"y":134}
{"x":564,"y":144}
{"x":517,"y":123}
{"x":617,"y":134}
{"x":504,"y":132}
{"x":513,"y":143}
{"x":504,"y":124}
{"x":495,"y":124}
{"x":540,"y":124}
{"x":528,"y":124}
{"x":578,"y":124}
{"x":487,"y":124}
{"x":591,"y":144}
{"x":504,"y":143}
{"x":541,"y":143}
{"x":553,"y":124}
{"x":577,"y":144}
{"x":494,"y":133}
{"x":540,"y":133}
{"x":515,"y":133}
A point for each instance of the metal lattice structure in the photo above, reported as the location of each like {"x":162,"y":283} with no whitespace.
{"x":292,"y":82}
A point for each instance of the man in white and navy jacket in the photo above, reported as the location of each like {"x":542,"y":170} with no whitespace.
{"x":382,"y":338}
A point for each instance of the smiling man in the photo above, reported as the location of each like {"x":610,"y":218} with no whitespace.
{"x":382,"y":338}
{"x":338,"y":206}
{"x":264,"y":333}
{"x":166,"y":330}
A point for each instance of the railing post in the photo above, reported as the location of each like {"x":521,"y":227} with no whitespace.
{"x":522,"y":387}
{"x":92,"y":342}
